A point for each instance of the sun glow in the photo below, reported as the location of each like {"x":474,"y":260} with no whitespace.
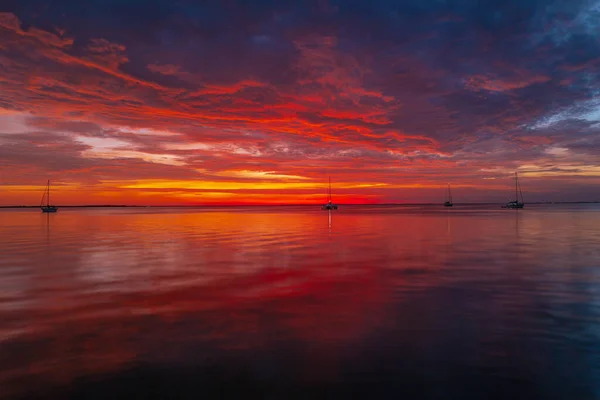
{"x":233,"y":185}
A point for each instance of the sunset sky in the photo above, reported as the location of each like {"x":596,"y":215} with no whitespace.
{"x":226,"y":102}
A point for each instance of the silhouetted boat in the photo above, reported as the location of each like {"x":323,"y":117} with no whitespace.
{"x":448,"y":202}
{"x":516,"y":203}
{"x":47,"y":208}
{"x":329,"y":205}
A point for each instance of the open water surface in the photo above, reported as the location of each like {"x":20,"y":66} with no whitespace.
{"x":294,"y":302}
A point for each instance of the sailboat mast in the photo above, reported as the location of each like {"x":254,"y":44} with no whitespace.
{"x":48,"y":193}
{"x":516,"y":187}
{"x":449,"y":194}
{"x":329,"y":193}
{"x":521,"y":193}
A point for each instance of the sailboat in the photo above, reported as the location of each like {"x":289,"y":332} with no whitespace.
{"x":47,"y":208}
{"x":329,"y":205}
{"x":516,"y":203}
{"x":448,"y":202}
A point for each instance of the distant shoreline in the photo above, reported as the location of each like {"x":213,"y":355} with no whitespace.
{"x":293,"y":205}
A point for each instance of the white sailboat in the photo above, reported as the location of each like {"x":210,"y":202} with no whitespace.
{"x":448,"y":202}
{"x":516,"y":203}
{"x":329,"y":205}
{"x":47,"y":208}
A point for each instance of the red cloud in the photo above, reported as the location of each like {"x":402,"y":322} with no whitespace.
{"x":10,"y":22}
{"x":332,"y":114}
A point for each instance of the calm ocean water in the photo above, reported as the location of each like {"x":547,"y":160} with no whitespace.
{"x":293,"y":302}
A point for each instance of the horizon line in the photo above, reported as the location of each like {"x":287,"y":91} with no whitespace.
{"x":287,"y":205}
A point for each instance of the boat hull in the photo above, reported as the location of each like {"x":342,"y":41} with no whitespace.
{"x":448,"y":204}
{"x":49,"y":209}
{"x":514,"y":205}
{"x":329,"y":207}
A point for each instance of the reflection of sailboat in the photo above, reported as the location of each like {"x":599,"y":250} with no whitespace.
{"x":47,"y":208}
{"x":517,"y":216}
{"x":448,"y":242}
{"x":448,"y":202}
{"x":329,"y":205}
{"x":48,"y":241}
{"x":516,"y":203}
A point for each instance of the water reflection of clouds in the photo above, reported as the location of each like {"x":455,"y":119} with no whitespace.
{"x":198,"y":250}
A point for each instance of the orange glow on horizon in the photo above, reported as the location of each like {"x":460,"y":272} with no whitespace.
{"x":194,"y":192}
